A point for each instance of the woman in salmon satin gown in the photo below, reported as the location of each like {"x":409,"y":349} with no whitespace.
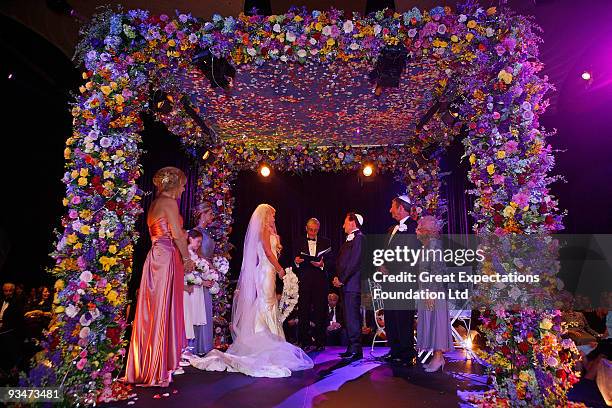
{"x":158,"y":333}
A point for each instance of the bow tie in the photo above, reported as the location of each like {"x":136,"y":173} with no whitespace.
{"x":312,"y":239}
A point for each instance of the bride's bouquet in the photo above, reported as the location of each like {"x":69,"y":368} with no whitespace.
{"x":202,"y":267}
{"x":290,"y":295}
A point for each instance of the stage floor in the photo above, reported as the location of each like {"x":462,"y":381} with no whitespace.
{"x":331,"y":383}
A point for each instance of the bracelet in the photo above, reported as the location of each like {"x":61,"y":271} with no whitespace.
{"x":186,"y":258}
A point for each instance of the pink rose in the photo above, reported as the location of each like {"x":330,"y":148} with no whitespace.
{"x":81,"y":364}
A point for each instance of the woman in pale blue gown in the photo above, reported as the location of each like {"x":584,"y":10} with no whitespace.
{"x":203,"y":341}
{"x":433,"y":322}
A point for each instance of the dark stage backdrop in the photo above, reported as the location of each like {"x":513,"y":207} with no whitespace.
{"x":325,"y":196}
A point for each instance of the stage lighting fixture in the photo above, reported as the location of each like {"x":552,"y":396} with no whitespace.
{"x":389,"y":67}
{"x":368,"y":170}
{"x":264,"y":170}
{"x":162,"y":102}
{"x":218,"y":71}
{"x":586,"y":75}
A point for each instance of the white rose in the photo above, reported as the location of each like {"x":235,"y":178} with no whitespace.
{"x":377,"y":29}
{"x":462,"y":18}
{"x":86,"y":276}
{"x":489,"y":32}
{"x":348,"y":26}
{"x":312,"y":41}
{"x":219,"y":203}
{"x":251,"y":51}
{"x":354,"y":46}
{"x":302,"y":53}
{"x":84,"y":333}
{"x":326,"y":31}
{"x":283,"y":58}
{"x":276,"y":28}
{"x":71,"y":311}
{"x":290,"y":37}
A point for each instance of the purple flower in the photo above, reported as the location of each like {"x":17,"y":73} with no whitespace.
{"x":105,"y":142}
{"x":521,"y":199}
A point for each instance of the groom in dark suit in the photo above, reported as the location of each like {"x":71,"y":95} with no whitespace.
{"x":313,"y":287}
{"x":399,"y":324}
{"x":348,"y":277}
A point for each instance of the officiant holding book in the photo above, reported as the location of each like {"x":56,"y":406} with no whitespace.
{"x":311,"y":263}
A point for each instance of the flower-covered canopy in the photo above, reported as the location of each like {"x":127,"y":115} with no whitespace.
{"x":301,"y":80}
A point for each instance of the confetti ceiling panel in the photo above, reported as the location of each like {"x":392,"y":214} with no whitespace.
{"x":315,"y":103}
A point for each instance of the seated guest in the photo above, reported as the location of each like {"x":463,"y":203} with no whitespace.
{"x":30,"y":300}
{"x":336,"y":334}
{"x":38,"y":316}
{"x":11,"y":326}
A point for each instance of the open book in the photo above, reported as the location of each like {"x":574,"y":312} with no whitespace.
{"x":316,"y":258}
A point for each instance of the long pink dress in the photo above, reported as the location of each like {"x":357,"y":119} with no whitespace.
{"x":159,"y":330}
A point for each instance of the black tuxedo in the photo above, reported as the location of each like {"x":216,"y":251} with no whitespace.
{"x":348,"y":270}
{"x":399,"y":324}
{"x":313,"y":289}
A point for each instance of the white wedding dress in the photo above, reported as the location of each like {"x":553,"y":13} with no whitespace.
{"x":259,"y":348}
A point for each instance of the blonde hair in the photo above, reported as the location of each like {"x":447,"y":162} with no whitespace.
{"x":168,"y":179}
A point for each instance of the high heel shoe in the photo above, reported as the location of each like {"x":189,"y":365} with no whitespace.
{"x":435,"y":366}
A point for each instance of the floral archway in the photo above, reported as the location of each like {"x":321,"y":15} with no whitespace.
{"x":488,"y":59}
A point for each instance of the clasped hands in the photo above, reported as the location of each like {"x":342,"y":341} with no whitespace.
{"x":336,"y":282}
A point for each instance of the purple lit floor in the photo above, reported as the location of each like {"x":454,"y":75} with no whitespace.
{"x":331,"y":383}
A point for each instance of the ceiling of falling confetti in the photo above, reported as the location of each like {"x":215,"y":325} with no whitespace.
{"x":317,"y":104}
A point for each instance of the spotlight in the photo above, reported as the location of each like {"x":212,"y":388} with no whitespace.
{"x":10,"y":75}
{"x":162,"y":102}
{"x":264,"y":170}
{"x":368,"y":170}
{"x":218,"y":71}
{"x":586,"y":75}
{"x":389,"y":67}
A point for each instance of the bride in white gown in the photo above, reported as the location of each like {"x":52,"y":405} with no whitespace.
{"x":259,"y":348}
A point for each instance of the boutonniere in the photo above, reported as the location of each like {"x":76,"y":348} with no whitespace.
{"x":350,"y":236}
{"x":402,"y":228}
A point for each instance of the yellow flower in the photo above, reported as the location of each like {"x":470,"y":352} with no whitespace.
{"x":318,"y":26}
{"x":85,"y":214}
{"x":454,"y":38}
{"x":107,"y":174}
{"x":106,"y":90}
{"x":71,"y":239}
{"x":501,"y":154}
{"x":505,"y":76}
{"x":78,"y":245}
{"x":65,"y":202}
{"x":84,"y":75}
{"x":89,"y":85}
{"x":491,"y":10}
{"x":469,"y":37}
{"x":74,"y":174}
{"x":172,"y":43}
{"x":330,"y":42}
{"x":59,"y":309}
{"x":471,"y":24}
{"x":119,"y":99}
{"x":524,"y":376}
{"x":83,"y":172}
{"x":546,"y":324}
{"x":472,"y":159}
{"x":82,"y":89}
{"x":491,"y":169}
{"x":82,"y":181}
{"x":119,"y":153}
{"x":85,"y":229}
{"x":67,"y":152}
{"x":108,"y":262}
{"x":113,"y":85}
{"x":297,"y":18}
{"x":509,"y":211}
{"x":113,"y":297}
{"x":112,"y":249}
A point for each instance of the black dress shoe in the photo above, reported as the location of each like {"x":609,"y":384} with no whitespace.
{"x":404,"y":362}
{"x":345,"y":354}
{"x":354,"y":357}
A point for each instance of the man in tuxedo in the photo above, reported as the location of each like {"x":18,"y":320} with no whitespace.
{"x":348,"y":277}
{"x":11,"y":327}
{"x":399,"y":324}
{"x":312,"y":301}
